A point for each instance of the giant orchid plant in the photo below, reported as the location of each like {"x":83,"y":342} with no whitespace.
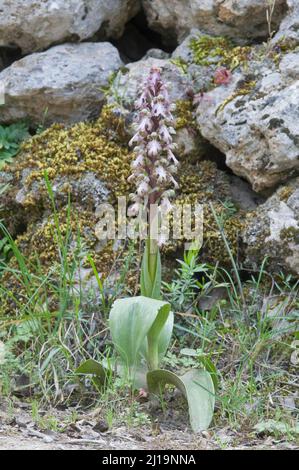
{"x":141,"y":327}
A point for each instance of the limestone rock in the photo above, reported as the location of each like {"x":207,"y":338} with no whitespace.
{"x":244,"y":19}
{"x":289,"y":28}
{"x":127,"y":84}
{"x":126,"y":87}
{"x":33,"y":25}
{"x":63,"y":84}
{"x":273,"y":230}
{"x":254,"y":120}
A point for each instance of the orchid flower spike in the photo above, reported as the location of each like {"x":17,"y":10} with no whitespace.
{"x":155,"y":164}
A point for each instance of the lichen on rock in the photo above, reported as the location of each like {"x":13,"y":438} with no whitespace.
{"x":220,"y":51}
{"x":272,"y":230}
{"x":253,"y":120}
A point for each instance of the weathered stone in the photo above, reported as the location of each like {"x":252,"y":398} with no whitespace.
{"x":245,"y":19}
{"x":273,"y":231}
{"x":126,"y":87}
{"x":242,"y":194}
{"x":127,"y":83}
{"x":89,"y":190}
{"x":63,"y":84}
{"x":33,"y":25}
{"x":156,"y":54}
{"x":199,"y":75}
{"x":254,"y":120}
{"x":289,"y":28}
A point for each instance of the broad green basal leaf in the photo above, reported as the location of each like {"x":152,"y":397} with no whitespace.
{"x":161,"y":332}
{"x":197,"y":386}
{"x":130,"y":321}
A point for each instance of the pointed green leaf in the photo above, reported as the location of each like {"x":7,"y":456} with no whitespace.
{"x":211,"y":368}
{"x":91,"y":367}
{"x":197,"y":387}
{"x":163,"y":338}
{"x":94,"y":368}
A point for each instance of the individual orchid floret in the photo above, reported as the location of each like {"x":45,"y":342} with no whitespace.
{"x":143,"y":189}
{"x":153,"y":148}
{"x":134,"y":209}
{"x":161,"y":173}
{"x":138,"y":162}
{"x":135,"y":139}
{"x":172,"y":158}
{"x":159,"y":108}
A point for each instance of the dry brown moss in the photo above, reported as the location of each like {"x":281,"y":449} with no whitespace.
{"x":285,"y":192}
{"x":204,"y":184}
{"x":184,"y":114}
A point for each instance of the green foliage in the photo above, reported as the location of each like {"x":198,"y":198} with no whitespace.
{"x":47,"y":313}
{"x":95,"y":369}
{"x":11,"y":138}
{"x":192,"y":280}
{"x":5,"y":248}
{"x":141,"y":330}
{"x":151,"y":271}
{"x":3,"y":189}
{"x":276,"y":428}
{"x":249,"y":334}
{"x":42,"y":126}
{"x":196,"y":386}
{"x":205,"y":48}
{"x":205,"y":361}
{"x":181,"y":64}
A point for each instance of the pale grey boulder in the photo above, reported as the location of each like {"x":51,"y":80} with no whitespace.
{"x":243,"y":19}
{"x":199,"y":75}
{"x":64,"y":84}
{"x":127,"y":84}
{"x":254,"y":118}
{"x":254,"y":121}
{"x":126,"y":88}
{"x":273,"y":231}
{"x":34,"y":25}
{"x":289,"y":28}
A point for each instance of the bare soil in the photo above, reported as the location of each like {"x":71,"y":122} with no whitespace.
{"x":16,"y":441}
{"x":87,"y":431}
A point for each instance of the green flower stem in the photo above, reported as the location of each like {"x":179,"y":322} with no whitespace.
{"x":152,"y":246}
{"x":151,"y":271}
{"x":153,"y":353}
